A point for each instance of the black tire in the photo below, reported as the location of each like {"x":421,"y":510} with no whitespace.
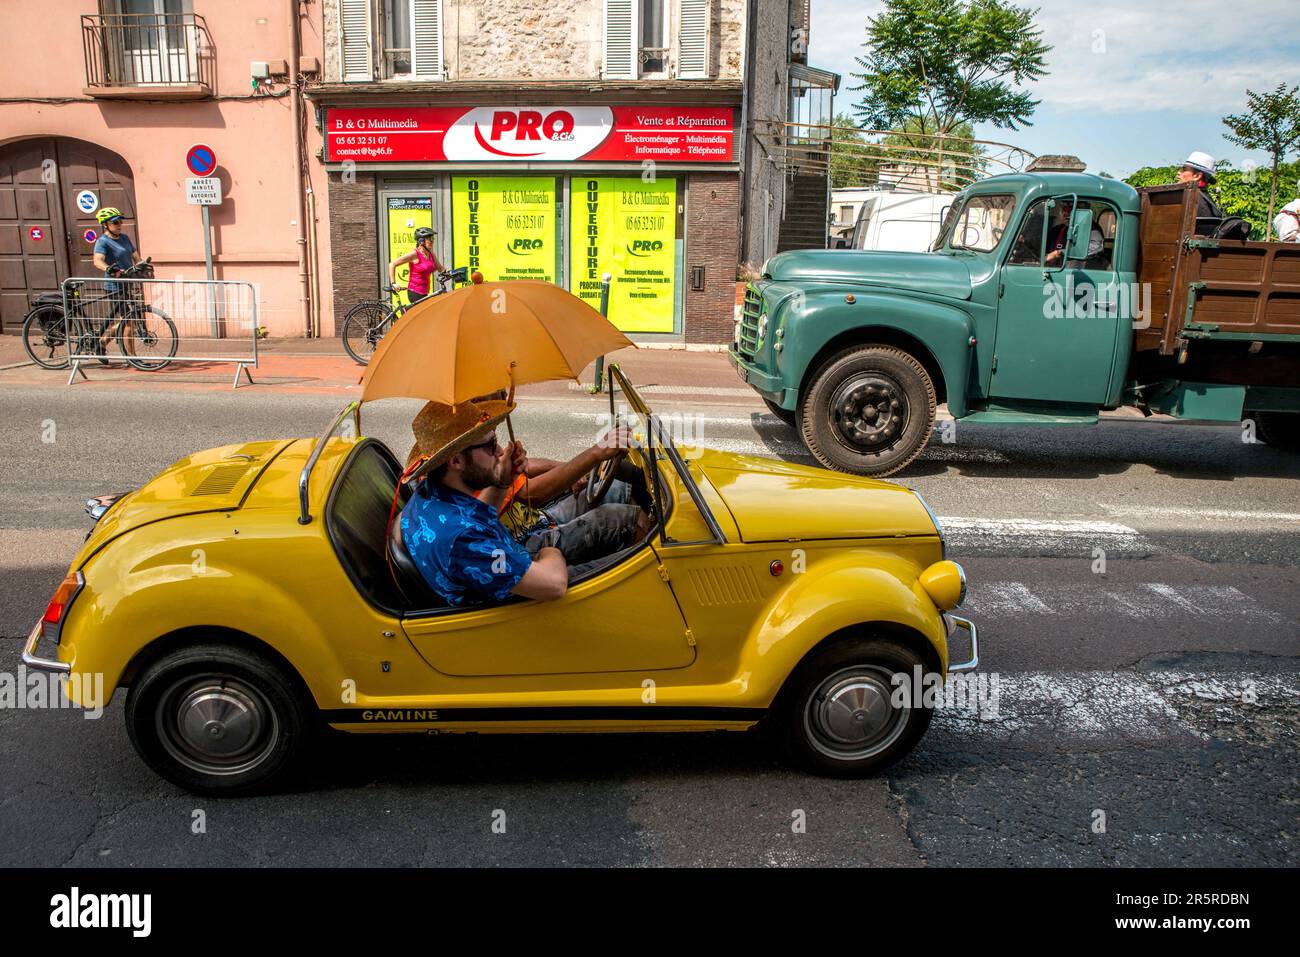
{"x":832,"y":697}
{"x":149,"y":334}
{"x":785,"y":415}
{"x":241,"y":694}
{"x":45,"y":337}
{"x":363,"y":327}
{"x":846,"y":426}
{"x":1279,"y":429}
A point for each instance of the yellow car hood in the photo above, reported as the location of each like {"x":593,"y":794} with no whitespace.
{"x":213,"y":480}
{"x":773,"y":501}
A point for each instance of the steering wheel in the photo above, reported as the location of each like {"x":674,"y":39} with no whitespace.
{"x":599,"y":479}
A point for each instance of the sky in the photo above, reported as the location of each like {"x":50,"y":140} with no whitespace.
{"x":1131,"y":83}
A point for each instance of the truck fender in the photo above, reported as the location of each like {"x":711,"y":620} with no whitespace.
{"x":944,"y":331}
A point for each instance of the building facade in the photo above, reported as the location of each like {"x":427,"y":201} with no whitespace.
{"x":102,"y":101}
{"x":560,"y":140}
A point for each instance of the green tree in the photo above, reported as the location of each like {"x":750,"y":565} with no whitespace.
{"x":938,"y":64}
{"x":851,"y":161}
{"x":950,"y":162}
{"x":1247,"y":193}
{"x":1271,"y":123}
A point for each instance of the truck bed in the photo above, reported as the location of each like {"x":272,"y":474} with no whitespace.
{"x":1211,"y":289}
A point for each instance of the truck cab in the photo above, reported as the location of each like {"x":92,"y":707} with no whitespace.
{"x":1023,"y":311}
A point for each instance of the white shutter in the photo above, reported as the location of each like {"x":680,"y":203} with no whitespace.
{"x":622,"y":47}
{"x":426,"y":39}
{"x":354,"y":49}
{"x":693,"y":39}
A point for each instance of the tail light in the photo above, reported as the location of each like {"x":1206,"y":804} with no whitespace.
{"x":56,"y":612}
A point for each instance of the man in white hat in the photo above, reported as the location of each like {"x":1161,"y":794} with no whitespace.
{"x":1199,"y":168}
{"x":1287,"y":222}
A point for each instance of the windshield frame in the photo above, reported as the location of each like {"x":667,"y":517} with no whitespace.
{"x":618,"y":382}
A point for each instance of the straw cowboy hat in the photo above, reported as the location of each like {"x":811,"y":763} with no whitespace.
{"x":442,"y":430}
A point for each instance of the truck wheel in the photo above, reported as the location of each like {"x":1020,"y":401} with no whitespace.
{"x":869,"y":411}
{"x":218,"y":720}
{"x":836,"y":715}
{"x":785,"y":415}
{"x":1279,"y":429}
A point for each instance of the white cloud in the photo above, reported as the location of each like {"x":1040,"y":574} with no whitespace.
{"x":1114,"y":56}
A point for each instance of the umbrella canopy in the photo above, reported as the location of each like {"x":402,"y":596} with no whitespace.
{"x":488,"y":336}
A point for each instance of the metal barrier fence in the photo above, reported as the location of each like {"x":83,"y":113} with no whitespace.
{"x":149,"y":324}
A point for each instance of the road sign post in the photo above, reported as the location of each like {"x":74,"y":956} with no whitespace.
{"x":205,"y":192}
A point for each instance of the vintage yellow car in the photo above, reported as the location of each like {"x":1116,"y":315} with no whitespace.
{"x":249,"y":595}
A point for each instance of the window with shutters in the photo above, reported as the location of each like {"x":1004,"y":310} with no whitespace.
{"x":694,"y":38}
{"x":412,"y":32}
{"x":622,"y":31}
{"x":355,"y":30}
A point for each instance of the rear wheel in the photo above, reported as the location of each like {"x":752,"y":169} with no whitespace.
{"x":219,"y":720}
{"x":785,"y":415}
{"x":1279,"y":429}
{"x":363,"y":328}
{"x":45,"y":337}
{"x":869,"y":410}
{"x":147,"y":339}
{"x":838,"y":714}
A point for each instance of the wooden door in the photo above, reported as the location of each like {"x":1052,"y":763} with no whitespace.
{"x":33,"y":251}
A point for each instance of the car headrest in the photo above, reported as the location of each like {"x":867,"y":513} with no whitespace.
{"x":410,"y":581}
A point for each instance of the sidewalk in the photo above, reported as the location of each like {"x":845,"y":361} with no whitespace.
{"x":321,"y":365}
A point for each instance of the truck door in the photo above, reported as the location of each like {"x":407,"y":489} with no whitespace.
{"x":1059,"y":320}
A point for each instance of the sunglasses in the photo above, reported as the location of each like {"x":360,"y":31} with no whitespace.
{"x":491,"y":445}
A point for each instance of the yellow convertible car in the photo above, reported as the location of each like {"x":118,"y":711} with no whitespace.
{"x":250,"y":594}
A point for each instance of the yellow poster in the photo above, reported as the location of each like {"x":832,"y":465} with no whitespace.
{"x":406,"y":214}
{"x":625,"y":227}
{"x":504,"y":226}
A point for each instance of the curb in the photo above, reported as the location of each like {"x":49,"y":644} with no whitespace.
{"x":17,"y":365}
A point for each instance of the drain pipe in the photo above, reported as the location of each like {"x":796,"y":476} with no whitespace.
{"x":300,"y":185}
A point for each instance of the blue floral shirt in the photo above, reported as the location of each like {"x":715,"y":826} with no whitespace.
{"x":460,"y":546}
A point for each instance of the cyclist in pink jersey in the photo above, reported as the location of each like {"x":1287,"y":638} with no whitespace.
{"x":423,"y":262}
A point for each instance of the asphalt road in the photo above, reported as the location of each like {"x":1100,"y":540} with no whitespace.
{"x":1144,"y":715}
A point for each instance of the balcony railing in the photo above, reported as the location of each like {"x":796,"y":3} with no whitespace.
{"x":148,"y":55}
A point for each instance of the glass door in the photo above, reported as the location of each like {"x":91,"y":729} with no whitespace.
{"x":402,"y":211}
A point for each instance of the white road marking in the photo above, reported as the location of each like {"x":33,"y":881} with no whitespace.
{"x":1119,"y":706}
{"x":1144,"y":600}
{"x":1032,"y":533}
{"x":1200,"y":514}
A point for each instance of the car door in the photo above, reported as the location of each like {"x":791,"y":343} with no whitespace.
{"x":1057,"y":329}
{"x":625,"y":619}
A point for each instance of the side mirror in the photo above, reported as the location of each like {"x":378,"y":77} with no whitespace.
{"x":1080,"y":234}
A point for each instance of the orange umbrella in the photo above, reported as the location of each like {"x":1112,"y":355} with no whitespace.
{"x":488,"y":336}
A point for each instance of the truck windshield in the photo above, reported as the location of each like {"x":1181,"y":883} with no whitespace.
{"x":945,"y":228}
{"x":980,"y":223}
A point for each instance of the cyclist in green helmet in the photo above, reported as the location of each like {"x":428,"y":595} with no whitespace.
{"x":114,"y":253}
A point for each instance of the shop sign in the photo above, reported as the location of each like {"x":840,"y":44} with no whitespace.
{"x":625,"y":227}
{"x":488,"y":134}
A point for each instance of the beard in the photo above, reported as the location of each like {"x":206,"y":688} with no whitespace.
{"x":477,"y":477}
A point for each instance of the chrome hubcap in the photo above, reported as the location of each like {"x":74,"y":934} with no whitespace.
{"x":217,"y":725}
{"x":869,"y":412}
{"x":850,"y":715}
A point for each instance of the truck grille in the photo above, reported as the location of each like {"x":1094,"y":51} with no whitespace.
{"x":751,"y":312}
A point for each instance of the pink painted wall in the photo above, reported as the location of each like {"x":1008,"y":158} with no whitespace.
{"x":254,"y":230}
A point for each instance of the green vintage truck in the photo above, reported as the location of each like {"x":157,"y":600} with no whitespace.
{"x":1046,"y":298}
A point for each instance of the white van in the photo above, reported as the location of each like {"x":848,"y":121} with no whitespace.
{"x":900,"y":221}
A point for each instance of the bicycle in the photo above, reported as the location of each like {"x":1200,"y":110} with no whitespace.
{"x":139,"y":328}
{"x":369,"y":320}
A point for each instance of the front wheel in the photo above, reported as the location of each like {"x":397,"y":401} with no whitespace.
{"x":45,"y":337}
{"x":363,"y":327}
{"x":868,"y":411}
{"x":850,"y":709}
{"x":1279,"y":429}
{"x":147,"y":339}
{"x":217,"y":719}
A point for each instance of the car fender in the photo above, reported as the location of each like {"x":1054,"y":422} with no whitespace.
{"x":826,"y":314}
{"x":858,"y":588}
{"x":288,"y":593}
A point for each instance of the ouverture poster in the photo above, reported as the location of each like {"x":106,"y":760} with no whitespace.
{"x":626,"y":227}
{"x":505,"y":226}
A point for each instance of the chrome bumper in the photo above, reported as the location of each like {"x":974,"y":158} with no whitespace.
{"x":32,"y":660}
{"x":956,"y":621}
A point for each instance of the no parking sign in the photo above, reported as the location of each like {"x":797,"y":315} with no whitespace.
{"x":87,"y":201}
{"x":201,"y":159}
{"x":36,"y":233}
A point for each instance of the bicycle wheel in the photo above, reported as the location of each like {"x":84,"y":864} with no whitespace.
{"x":363,"y":327}
{"x":147,"y":339}
{"x":45,"y":337}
